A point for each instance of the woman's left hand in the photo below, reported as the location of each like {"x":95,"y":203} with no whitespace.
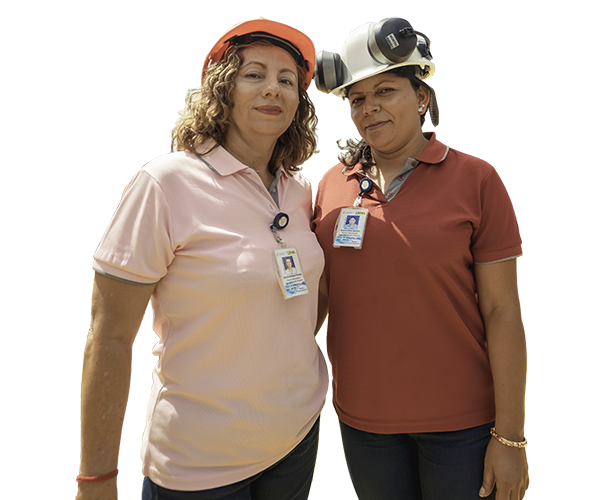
{"x":507,"y":467}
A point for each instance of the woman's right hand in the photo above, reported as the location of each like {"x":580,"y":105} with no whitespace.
{"x":105,"y":490}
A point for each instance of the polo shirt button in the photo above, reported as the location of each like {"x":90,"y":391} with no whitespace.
{"x":414,"y":163}
{"x":401,"y":178}
{"x":273,"y":190}
{"x":389,"y":194}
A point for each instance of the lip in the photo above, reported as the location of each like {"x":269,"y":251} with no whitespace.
{"x":375,"y":125}
{"x":269,"y":110}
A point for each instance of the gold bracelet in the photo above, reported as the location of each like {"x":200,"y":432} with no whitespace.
{"x":508,"y":442}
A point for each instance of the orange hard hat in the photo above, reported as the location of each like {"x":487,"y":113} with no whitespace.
{"x":295,"y":42}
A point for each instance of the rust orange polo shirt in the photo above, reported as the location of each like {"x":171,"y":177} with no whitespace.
{"x":405,"y":337}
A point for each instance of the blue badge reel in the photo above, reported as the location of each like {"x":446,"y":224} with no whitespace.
{"x":365,"y":186}
{"x":281,"y":220}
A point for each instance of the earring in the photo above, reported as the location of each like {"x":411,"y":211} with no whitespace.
{"x":421,"y":108}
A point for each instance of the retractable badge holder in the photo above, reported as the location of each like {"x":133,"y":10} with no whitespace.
{"x":350,"y":226}
{"x":287,"y":262}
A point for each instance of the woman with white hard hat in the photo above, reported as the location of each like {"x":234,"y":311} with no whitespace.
{"x":429,"y":378}
{"x":202,"y":233}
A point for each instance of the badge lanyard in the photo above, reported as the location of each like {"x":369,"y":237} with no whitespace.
{"x":287,"y":262}
{"x":349,"y":230}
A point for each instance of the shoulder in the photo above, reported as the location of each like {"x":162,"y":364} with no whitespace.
{"x":452,"y":160}
{"x":337,"y":170}
{"x":333,"y":175}
{"x":461,"y":169}
{"x":296,"y":178}
{"x":184,"y":172}
{"x":168,"y":167}
{"x":458,"y":159}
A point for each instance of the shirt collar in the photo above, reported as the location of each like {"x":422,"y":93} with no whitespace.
{"x":433,"y":152}
{"x":222,"y":162}
{"x":347,"y":170}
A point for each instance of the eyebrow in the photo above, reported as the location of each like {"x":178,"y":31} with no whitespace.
{"x":376,"y":86}
{"x":264,"y":66}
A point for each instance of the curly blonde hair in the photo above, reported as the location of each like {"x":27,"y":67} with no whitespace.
{"x":207,"y":111}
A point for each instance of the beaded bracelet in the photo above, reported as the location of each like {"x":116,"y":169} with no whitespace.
{"x":507,"y":442}
{"x":97,"y":479}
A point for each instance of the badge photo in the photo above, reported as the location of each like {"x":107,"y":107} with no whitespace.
{"x":350,"y":227}
{"x":289,"y":272}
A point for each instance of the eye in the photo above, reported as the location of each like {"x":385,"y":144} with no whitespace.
{"x":356,"y":100}
{"x":287,"y":81}
{"x":386,"y":90}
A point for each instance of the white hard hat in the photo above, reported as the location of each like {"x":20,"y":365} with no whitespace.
{"x":372,"y":49}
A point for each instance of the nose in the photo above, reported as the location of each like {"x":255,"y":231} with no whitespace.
{"x":272,"y":86}
{"x":371,"y":104}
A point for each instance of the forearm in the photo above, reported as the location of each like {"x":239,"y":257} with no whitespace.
{"x":117,"y":312}
{"x":501,"y":312}
{"x":104,"y":393}
{"x":508,"y":361}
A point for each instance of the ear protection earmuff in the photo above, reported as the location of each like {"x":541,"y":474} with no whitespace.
{"x":371,"y":49}
{"x":393,"y":40}
{"x":330,"y":71}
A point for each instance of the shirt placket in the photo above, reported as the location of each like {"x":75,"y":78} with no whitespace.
{"x":394,"y":187}
{"x":396,"y":183}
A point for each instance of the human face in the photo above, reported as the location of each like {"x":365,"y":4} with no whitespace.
{"x":384,"y":109}
{"x":265,"y":97}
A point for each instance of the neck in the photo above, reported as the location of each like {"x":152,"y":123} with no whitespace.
{"x":254,"y":154}
{"x":388,"y":164}
{"x":390,"y":161}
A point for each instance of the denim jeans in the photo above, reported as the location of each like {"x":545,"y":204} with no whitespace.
{"x":288,"y":479}
{"x":425,"y":466}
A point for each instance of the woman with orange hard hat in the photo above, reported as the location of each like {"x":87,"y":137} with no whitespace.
{"x":203,"y":233}
{"x":429,"y":378}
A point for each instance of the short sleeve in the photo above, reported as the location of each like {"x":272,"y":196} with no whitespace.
{"x":137,"y":245}
{"x":497,"y":235}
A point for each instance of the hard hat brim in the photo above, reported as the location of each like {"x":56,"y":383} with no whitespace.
{"x":303,"y":43}
{"x":428,"y":66}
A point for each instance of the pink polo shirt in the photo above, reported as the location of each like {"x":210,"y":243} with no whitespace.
{"x":240,"y":379}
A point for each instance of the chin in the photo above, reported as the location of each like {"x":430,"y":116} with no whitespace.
{"x":270,"y":129}
{"x":379,"y":146}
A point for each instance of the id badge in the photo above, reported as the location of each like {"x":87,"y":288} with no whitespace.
{"x":350,"y":227}
{"x":289,"y":272}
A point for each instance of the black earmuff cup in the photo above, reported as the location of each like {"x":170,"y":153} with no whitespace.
{"x":390,"y":41}
{"x":330,"y":71}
